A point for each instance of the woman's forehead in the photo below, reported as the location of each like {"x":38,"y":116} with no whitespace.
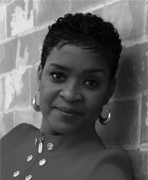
{"x":76,"y":54}
{"x":73,"y":58}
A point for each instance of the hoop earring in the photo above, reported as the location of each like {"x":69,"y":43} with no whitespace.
{"x":35,"y":101}
{"x":103,"y":118}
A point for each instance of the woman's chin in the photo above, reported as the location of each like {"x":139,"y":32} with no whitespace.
{"x":58,"y":125}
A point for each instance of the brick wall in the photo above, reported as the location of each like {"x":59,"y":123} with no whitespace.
{"x":23,"y":25}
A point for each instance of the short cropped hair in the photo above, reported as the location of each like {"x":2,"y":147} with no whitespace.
{"x":87,"y":31}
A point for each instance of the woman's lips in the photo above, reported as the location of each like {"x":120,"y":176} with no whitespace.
{"x":68,"y":111}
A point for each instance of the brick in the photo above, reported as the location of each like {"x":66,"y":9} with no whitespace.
{"x":132,"y":74}
{"x":46,"y":11}
{"x":123,"y":128}
{"x":7,"y":123}
{"x":8,"y":56}
{"x":17,"y":89}
{"x":138,"y":13}
{"x":34,"y":84}
{"x":1,"y":117}
{"x":1,"y":94}
{"x":139,"y":163}
{"x":127,"y":17}
{"x":29,"y":116}
{"x":20,"y":17}
{"x":147,"y":20}
{"x":82,"y":5}
{"x":144,"y":123}
{"x":30,"y":48}
{"x":2,"y":23}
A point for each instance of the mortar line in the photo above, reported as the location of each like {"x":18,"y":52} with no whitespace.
{"x":14,"y":115}
{"x":6,"y":111}
{"x":100,"y":6}
{"x":141,"y":40}
{"x":126,"y":97}
{"x":139,"y":120}
{"x":27,"y":32}
{"x":10,"y":72}
{"x":143,"y":147}
{"x":6,"y":21}
{"x":30,"y":85}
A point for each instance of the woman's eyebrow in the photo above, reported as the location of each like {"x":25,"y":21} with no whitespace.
{"x":86,"y":71}
{"x":59,"y":66}
{"x":89,"y":71}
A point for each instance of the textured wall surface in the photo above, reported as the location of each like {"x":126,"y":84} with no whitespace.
{"x":23,"y":25}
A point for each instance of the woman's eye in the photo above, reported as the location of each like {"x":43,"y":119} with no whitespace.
{"x":57,"y":76}
{"x":92,"y":83}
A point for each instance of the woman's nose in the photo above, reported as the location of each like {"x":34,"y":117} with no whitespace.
{"x":71,"y":93}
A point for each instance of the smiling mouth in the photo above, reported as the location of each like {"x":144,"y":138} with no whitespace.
{"x":68,"y":111}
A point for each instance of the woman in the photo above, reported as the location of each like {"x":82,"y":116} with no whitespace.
{"x":76,"y":79}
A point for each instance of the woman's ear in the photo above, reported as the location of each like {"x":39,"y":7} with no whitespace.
{"x":111,"y":90}
{"x":39,"y":75}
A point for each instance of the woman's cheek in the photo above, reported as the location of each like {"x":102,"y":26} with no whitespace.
{"x":48,"y":96}
{"x":96,"y":102}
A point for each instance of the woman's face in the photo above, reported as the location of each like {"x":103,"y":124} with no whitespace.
{"x":74,"y":85}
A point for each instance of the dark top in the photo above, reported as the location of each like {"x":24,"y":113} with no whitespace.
{"x":28,"y":154}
